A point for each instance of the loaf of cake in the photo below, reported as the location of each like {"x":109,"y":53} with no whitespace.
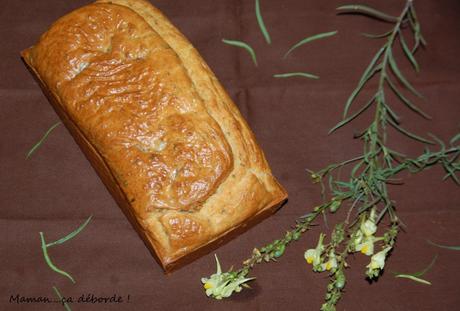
{"x":157,"y":126}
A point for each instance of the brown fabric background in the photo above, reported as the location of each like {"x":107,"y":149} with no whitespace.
{"x":57,"y":189}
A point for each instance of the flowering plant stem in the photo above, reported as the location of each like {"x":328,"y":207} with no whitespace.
{"x":365,"y":192}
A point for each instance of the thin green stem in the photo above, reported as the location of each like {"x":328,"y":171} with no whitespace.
{"x":64,"y":303}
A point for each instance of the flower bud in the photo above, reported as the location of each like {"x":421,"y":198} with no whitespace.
{"x":280,"y":250}
{"x":335,"y":205}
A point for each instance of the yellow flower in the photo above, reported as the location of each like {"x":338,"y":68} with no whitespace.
{"x":378,"y":261}
{"x":331,"y":264}
{"x":313,"y":256}
{"x":222,"y":285}
{"x":367,"y":246}
{"x":208,"y":285}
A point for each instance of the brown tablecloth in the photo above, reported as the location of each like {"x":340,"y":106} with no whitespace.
{"x":56,"y":189}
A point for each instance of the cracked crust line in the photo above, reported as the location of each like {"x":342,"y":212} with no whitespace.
{"x":247,"y":138}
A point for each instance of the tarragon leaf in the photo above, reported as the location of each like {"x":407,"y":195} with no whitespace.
{"x":413,"y":278}
{"x":410,"y":134}
{"x":416,"y":276}
{"x":394,"y":67}
{"x":450,"y":173}
{"x":438,"y":140}
{"x":377,"y":36}
{"x":310,"y":39}
{"x":391,"y":113}
{"x":452,"y":248}
{"x":367,"y":10}
{"x":455,"y":139}
{"x":353,"y":116}
{"x":40,"y":142}
{"x":368,"y":73}
{"x":296,"y":74}
{"x":405,"y":100}
{"x":415,"y":25}
{"x":50,"y":263}
{"x":408,"y":52}
{"x":70,"y":235}
{"x":244,"y":46}
{"x":261,"y":23}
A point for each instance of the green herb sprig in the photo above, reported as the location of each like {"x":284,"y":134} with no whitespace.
{"x":365,"y":193}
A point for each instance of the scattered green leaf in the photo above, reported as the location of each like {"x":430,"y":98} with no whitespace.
{"x":244,"y":46}
{"x":50,"y":263}
{"x":72,"y":234}
{"x":452,"y":248}
{"x":296,"y":74}
{"x":413,"y":278}
{"x":310,"y":39}
{"x":377,"y":36}
{"x":416,"y":276}
{"x":40,"y":142}
{"x":261,"y":23}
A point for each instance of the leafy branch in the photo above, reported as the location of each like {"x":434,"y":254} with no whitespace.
{"x":385,"y":68}
{"x":365,"y":193}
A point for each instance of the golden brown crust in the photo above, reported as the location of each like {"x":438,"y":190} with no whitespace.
{"x":156,"y":124}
